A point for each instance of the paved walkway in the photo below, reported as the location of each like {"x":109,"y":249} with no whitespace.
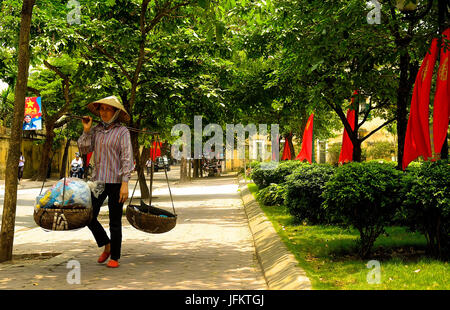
{"x":211,"y":248}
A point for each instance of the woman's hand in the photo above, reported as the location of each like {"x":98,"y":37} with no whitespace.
{"x":123,"y":192}
{"x":87,"y":123}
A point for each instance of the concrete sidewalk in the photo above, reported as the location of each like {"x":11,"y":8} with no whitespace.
{"x":211,"y":248}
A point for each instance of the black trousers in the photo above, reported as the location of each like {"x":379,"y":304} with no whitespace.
{"x":112,"y":191}
{"x":20,"y":173}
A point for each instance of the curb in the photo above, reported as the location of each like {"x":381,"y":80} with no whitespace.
{"x":279,"y":266}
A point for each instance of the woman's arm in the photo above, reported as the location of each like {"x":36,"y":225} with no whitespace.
{"x":126,"y":164}
{"x":126,"y":156}
{"x":86,"y":142}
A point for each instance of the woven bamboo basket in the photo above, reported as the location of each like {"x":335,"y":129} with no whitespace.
{"x":62,"y":219}
{"x":148,"y":218}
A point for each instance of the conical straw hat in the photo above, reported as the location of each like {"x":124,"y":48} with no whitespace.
{"x":113,"y":102}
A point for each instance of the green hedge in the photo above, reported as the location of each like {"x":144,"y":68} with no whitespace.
{"x":272,"y":195}
{"x":367,"y":196}
{"x":364,"y":196}
{"x":304,"y":188}
{"x":426,"y":207}
{"x":267,"y":173}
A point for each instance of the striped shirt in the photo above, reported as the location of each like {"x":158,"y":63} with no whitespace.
{"x":113,"y":153}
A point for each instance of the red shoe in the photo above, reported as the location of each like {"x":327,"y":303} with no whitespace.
{"x":112,"y":263}
{"x":103,"y":257}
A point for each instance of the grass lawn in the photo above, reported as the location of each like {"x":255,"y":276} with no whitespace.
{"x":327,"y":254}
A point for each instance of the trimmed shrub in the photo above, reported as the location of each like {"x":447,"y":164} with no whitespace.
{"x":254,"y":164}
{"x":365,"y":196}
{"x":304,"y":188}
{"x":426,"y":207}
{"x":272,"y":195}
{"x":258,"y":176}
{"x":273,"y":172}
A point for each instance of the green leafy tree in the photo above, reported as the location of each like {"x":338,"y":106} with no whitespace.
{"x":9,"y":206}
{"x":333,"y":51}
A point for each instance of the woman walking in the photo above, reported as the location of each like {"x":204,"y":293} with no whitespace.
{"x":113,"y":158}
{"x":21,"y":166}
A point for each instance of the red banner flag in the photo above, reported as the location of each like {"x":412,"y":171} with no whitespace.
{"x":346,"y":154}
{"x":307,"y":141}
{"x":441,"y":112}
{"x":417,"y":139}
{"x":88,"y":158}
{"x":155,"y":151}
{"x":287,"y":150}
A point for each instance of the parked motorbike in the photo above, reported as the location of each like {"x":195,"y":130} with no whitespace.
{"x":75,"y":171}
{"x":212,"y":168}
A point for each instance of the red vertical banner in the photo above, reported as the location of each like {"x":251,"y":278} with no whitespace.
{"x":417,"y":139}
{"x":307,"y":141}
{"x":346,"y":154}
{"x":286,"y":150}
{"x":155,"y":150}
{"x":441,"y":112}
{"x":158,"y":148}
{"x":88,"y":158}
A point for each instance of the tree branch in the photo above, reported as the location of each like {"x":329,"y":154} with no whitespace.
{"x":164,"y":12}
{"x":34,"y":91}
{"x":65,"y":88}
{"x":103,"y":51}
{"x":351,"y":133}
{"x":415,"y":17}
{"x":378,"y":128}
{"x":113,"y":59}
{"x":56,"y":70}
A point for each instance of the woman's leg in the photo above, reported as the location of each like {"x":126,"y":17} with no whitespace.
{"x":20,"y":173}
{"x":96,"y":228}
{"x":115,"y":219}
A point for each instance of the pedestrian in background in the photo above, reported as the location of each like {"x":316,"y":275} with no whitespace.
{"x":21,"y":166}
{"x":148,"y":164}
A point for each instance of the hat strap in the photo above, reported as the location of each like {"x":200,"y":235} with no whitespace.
{"x":113,"y":119}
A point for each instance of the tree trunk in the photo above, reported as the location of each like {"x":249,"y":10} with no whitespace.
{"x":152,"y":173}
{"x":145,"y":193}
{"x":402,"y":103}
{"x":356,"y":142}
{"x":182,"y":163}
{"x":139,"y":165}
{"x":190,"y":169}
{"x":200,"y":167}
{"x":62,"y":172}
{"x":46,"y":150}
{"x":357,"y":150}
{"x":442,"y":5}
{"x":288,"y":139}
{"x":196,"y":173}
{"x":183,"y":170}
{"x":12,"y":162}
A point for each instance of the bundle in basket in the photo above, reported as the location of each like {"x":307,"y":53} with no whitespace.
{"x":150,"y":219}
{"x":65,"y":206}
